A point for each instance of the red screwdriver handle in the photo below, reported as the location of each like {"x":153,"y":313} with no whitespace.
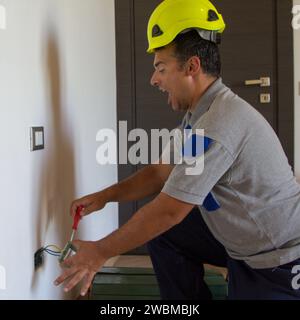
{"x":77,"y":217}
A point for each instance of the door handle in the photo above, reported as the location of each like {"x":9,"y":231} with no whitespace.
{"x":263,"y":82}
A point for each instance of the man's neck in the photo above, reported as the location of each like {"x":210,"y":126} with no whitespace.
{"x":201,"y":88}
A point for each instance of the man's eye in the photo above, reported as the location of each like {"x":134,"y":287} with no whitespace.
{"x":161,"y":70}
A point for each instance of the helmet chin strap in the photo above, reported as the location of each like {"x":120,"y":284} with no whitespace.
{"x":208,"y":35}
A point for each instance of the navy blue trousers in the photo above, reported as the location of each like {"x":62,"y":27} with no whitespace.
{"x":178,"y":256}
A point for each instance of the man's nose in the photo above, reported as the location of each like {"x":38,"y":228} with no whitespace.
{"x":154,"y":80}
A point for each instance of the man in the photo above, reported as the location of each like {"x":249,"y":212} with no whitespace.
{"x":247,"y":194}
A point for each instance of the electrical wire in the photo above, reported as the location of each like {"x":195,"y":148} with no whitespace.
{"x":58,"y":249}
{"x":48,"y":249}
{"x":52,"y":253}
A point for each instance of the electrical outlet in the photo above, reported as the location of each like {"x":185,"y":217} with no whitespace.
{"x":38,"y":258}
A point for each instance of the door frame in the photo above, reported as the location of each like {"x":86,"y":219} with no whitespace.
{"x":126,"y":90}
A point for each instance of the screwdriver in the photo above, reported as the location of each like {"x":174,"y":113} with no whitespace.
{"x":76,"y":220}
{"x":69,"y":247}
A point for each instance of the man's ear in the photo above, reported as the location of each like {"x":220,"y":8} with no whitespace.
{"x":194,"y":65}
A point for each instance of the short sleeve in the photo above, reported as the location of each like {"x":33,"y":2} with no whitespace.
{"x":194,"y":188}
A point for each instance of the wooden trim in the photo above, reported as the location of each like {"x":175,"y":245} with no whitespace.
{"x":285,"y":70}
{"x":126,"y":97}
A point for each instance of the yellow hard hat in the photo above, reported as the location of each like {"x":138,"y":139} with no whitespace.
{"x":172,"y":17}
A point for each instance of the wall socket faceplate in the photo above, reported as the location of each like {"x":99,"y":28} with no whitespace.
{"x":37,"y":138}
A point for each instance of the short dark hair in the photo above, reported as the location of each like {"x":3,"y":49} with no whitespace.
{"x":190,"y":44}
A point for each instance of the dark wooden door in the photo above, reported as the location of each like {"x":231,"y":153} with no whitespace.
{"x":256,"y":43}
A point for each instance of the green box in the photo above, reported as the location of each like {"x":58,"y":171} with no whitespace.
{"x":121,"y":283}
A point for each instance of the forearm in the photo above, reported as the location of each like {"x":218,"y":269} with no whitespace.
{"x":143,"y":183}
{"x":146,"y":224}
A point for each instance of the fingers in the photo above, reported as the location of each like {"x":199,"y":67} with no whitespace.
{"x":90,"y":203}
{"x":74,"y":278}
{"x":75,"y":205}
{"x":73,"y":209}
{"x":74,"y":275}
{"x":77,"y":277}
{"x":87,"y":283}
{"x":65,"y":275}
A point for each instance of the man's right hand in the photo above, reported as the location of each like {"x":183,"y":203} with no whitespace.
{"x":92,"y":202}
{"x":145,"y":182}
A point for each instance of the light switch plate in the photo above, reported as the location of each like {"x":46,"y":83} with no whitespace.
{"x":37,"y":141}
{"x":2,"y":17}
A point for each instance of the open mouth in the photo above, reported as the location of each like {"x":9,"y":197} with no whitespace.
{"x":169,"y":98}
{"x":169,"y":94}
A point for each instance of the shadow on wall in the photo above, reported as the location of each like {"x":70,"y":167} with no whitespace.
{"x":55,"y":181}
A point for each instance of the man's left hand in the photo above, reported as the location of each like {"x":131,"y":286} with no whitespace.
{"x":82,"y":266}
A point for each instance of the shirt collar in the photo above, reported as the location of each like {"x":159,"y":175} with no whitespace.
{"x":204,"y":103}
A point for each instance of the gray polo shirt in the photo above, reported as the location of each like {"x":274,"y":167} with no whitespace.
{"x":247,"y":192}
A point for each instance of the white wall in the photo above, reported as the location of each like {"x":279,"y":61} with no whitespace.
{"x":57,"y":70}
{"x":297,"y":97}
